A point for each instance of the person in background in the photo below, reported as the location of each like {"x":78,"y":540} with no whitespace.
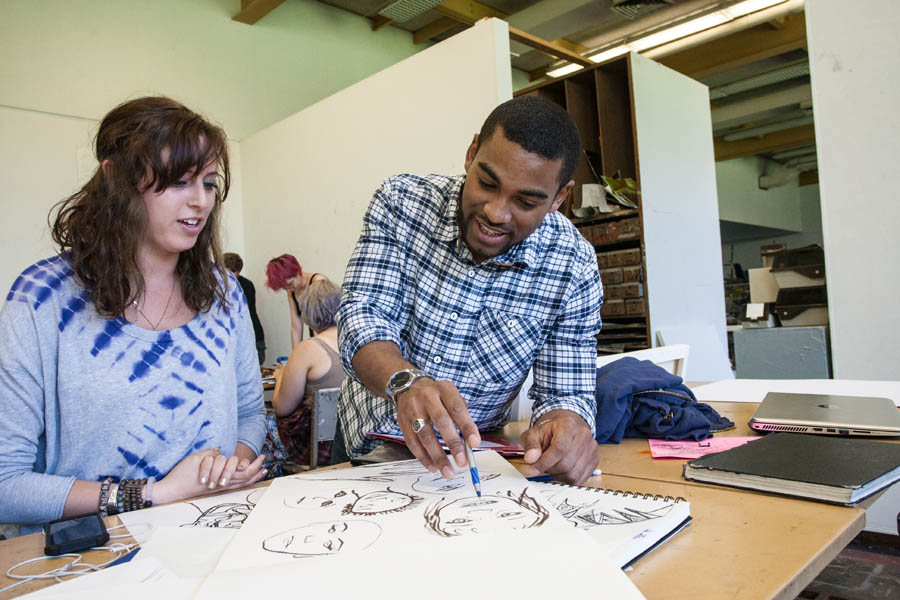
{"x":460,"y":285}
{"x":314,"y":364}
{"x":128,"y":358}
{"x":285,"y":273}
{"x":235,"y":264}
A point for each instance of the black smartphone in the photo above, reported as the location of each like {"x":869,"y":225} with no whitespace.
{"x":73,"y":535}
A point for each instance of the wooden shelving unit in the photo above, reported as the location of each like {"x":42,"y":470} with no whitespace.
{"x":599,"y":103}
{"x":660,"y":263}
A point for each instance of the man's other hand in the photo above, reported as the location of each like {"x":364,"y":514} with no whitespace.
{"x":561,"y":444}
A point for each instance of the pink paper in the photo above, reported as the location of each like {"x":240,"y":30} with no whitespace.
{"x":688,"y":449}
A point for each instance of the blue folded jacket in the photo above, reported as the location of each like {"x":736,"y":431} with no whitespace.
{"x":637,"y":398}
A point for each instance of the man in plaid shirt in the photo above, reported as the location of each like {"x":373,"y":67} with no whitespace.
{"x":458,"y":286}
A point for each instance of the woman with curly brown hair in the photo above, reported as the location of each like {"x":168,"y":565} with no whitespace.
{"x":129,"y":357}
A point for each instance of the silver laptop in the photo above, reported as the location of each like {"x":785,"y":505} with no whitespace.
{"x":827,"y":414}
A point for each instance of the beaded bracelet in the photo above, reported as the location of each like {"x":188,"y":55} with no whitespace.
{"x":104,"y":496}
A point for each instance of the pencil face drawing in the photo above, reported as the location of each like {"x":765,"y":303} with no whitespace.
{"x":321,"y":539}
{"x":381,"y":502}
{"x":504,"y":511}
{"x":434,"y":483}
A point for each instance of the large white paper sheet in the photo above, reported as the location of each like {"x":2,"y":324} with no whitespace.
{"x":535,"y":563}
{"x":754,"y":390}
{"x":223,"y":511}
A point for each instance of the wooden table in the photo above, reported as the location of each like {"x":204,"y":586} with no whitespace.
{"x":741,"y":545}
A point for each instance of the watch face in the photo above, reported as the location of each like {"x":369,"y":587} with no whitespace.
{"x":400,"y":379}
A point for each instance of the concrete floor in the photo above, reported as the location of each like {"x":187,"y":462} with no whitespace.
{"x":867,"y":569}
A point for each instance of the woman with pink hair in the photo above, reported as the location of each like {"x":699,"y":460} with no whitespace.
{"x":285,"y":273}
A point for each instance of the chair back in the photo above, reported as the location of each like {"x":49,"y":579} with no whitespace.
{"x":324,"y":421}
{"x":672,"y":358}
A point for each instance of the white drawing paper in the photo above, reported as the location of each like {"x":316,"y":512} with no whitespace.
{"x":624,"y":525}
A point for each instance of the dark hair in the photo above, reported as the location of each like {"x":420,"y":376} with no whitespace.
{"x":280,"y":269}
{"x":233,"y":262}
{"x":541,"y":127}
{"x":101,"y":226}
{"x":319,"y":303}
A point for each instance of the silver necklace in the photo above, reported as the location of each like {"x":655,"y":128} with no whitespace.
{"x":155,"y":326}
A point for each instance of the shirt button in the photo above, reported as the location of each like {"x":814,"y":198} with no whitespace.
{"x":511,"y":323}
{"x":436,"y":360}
{"x":453,"y":316}
{"x":471,"y":273}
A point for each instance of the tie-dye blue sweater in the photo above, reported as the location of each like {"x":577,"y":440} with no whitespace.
{"x":85,"y":397}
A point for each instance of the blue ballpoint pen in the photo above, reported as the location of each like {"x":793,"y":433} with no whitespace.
{"x":473,"y":469}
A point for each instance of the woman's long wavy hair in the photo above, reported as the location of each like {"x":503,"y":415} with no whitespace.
{"x":142,"y":144}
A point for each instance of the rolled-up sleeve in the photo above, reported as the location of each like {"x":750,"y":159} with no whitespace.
{"x":565,"y":368}
{"x":374,"y":284}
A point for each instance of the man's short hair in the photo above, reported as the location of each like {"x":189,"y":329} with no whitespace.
{"x":319,"y":303}
{"x":541,"y":127}
{"x":233,"y":262}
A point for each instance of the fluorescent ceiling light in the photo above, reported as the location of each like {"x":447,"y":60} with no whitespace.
{"x":679,"y":31}
{"x":676,"y":32}
{"x":565,"y":70}
{"x":608,"y":54}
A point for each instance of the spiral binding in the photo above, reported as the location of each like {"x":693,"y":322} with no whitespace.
{"x":626,"y":493}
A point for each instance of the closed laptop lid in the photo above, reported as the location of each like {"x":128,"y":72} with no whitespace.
{"x":827,"y":414}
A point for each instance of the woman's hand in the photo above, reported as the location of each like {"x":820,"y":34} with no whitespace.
{"x":206,"y":472}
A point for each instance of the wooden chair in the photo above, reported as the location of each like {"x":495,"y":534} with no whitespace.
{"x":672,"y":358}
{"x":324,"y":421}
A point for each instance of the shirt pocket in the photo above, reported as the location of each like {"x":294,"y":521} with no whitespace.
{"x":504,"y":347}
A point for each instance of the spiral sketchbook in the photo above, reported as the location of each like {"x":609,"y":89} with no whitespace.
{"x":627,"y":525}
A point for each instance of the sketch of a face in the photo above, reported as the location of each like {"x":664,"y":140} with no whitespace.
{"x":316,"y":502}
{"x":490,"y":513}
{"x":229,"y":515}
{"x":329,"y":537}
{"x":434,"y":483}
{"x":381,"y":502}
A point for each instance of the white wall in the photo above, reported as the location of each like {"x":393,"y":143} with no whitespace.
{"x":65,"y":64}
{"x":680,"y":215}
{"x":855,"y":71}
{"x":309,"y":178}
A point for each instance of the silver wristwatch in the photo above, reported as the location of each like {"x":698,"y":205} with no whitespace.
{"x":402,"y":381}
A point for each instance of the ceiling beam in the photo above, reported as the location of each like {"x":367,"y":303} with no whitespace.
{"x":772,"y":142}
{"x":467,"y":11}
{"x":741,"y":48}
{"x":549,"y":48}
{"x":434,"y":29}
{"x":379,"y":21}
{"x":254,"y":10}
{"x":755,"y":108}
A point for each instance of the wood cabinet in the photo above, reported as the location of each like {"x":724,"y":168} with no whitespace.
{"x":660,"y":263}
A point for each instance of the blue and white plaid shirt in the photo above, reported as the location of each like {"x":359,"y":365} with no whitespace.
{"x":412,"y":281}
